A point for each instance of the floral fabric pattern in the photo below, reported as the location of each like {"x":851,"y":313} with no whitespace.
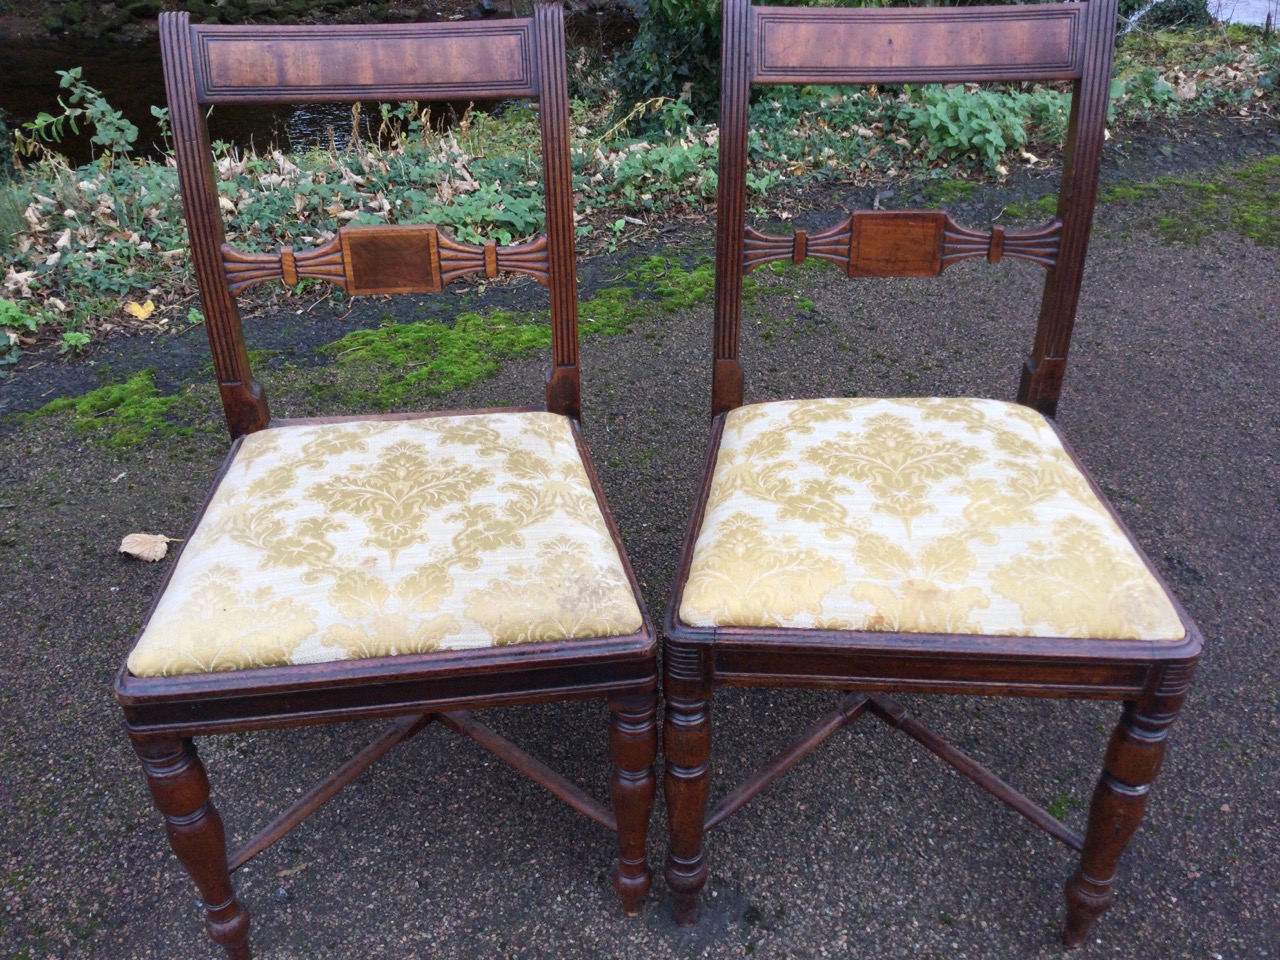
{"x":948,"y":516}
{"x":379,"y":538}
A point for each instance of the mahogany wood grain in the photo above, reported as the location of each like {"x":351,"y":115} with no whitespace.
{"x":180,"y":788}
{"x":687,"y":744}
{"x":242,"y":398}
{"x":777,"y":45}
{"x":901,"y":243}
{"x":563,"y":389}
{"x":917,"y":45}
{"x":633,"y":746}
{"x":1042,"y":376}
{"x":847,"y":710}
{"x":385,"y":259}
{"x":1133,"y":760}
{"x":405,"y":728}
{"x":250,"y":64}
{"x":462,"y":722}
{"x":524,"y":58}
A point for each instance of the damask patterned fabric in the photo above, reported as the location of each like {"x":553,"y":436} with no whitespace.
{"x":948,"y":516}
{"x":378,"y":538}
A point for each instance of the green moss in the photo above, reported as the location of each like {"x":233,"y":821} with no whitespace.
{"x":1245,"y":200}
{"x":1254,"y":195}
{"x":675,"y":286}
{"x":940,"y":193}
{"x":123,"y":413}
{"x":1045,"y":206}
{"x":1126,"y":192}
{"x":433,"y":357}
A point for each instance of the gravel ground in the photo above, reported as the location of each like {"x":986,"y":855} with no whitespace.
{"x":871,"y":847}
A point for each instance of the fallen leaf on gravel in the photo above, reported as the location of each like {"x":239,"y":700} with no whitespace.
{"x":290,"y":871}
{"x":146,"y":546}
{"x":140,"y":310}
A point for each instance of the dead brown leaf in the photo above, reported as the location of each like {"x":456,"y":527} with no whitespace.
{"x":146,"y":546}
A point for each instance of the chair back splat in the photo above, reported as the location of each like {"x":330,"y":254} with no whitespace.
{"x":209,"y":65}
{"x":786,"y":45}
{"x":876,"y":546}
{"x":412,"y":567}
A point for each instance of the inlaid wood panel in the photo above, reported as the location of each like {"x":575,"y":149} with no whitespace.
{"x":901,"y":243}
{"x":395,"y":258}
{"x":916,"y":45}
{"x":245,"y":64}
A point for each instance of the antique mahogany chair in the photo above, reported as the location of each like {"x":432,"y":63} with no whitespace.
{"x":931,"y":545}
{"x":412,"y":567}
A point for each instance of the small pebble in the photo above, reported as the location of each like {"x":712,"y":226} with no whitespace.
{"x":282,"y":895}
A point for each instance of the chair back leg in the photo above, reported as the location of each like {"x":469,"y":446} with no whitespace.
{"x":180,"y":789}
{"x":633,"y":748}
{"x":687,"y":743}
{"x":1133,"y":760}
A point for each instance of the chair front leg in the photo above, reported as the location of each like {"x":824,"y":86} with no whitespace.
{"x":633,"y":747}
{"x":1133,"y":759}
{"x":687,"y":742}
{"x":180,"y":788}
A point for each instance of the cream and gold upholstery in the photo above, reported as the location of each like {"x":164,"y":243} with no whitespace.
{"x":948,"y":516}
{"x":377,"y":538}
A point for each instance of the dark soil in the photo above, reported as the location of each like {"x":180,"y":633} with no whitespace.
{"x":868,"y":849}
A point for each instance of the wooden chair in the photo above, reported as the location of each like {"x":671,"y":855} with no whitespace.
{"x":413,"y":567}
{"x":924,"y":545}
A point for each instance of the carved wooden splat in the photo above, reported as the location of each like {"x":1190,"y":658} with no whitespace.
{"x":395,"y":258}
{"x":902,"y":243}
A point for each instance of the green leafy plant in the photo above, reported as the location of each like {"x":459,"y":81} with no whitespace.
{"x":73,"y":341}
{"x":111,"y":130}
{"x":15,"y":320}
{"x":981,"y":124}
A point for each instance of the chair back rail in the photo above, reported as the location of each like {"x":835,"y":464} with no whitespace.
{"x":207,"y":65}
{"x":784,"y":45}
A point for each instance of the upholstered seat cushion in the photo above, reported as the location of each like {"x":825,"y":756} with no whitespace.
{"x":376,"y":538}
{"x":948,"y":516}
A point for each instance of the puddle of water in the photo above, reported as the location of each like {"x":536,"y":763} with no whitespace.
{"x":130,"y":77}
{"x":1246,"y":11}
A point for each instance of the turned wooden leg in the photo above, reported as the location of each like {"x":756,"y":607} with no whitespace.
{"x":633,"y":747}
{"x":180,"y":789}
{"x":1133,"y":759}
{"x":687,"y":741}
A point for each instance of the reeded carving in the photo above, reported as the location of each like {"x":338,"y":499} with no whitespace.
{"x":902,"y":243}
{"x":396,"y":258}
{"x":1039,"y":246}
{"x":459,"y":259}
{"x":245,"y":270}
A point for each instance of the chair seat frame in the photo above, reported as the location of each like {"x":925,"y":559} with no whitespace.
{"x":767,"y":45}
{"x":206,"y":65}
